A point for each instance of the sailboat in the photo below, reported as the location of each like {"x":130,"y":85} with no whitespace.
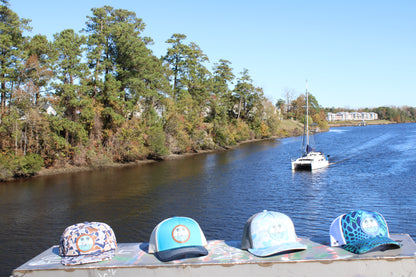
{"x":310,"y":159}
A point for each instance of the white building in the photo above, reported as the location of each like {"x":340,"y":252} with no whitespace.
{"x":49,"y":109}
{"x":343,"y":116}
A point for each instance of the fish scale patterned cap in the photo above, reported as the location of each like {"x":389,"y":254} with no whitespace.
{"x":87,"y":242}
{"x":268,"y":233}
{"x":361,"y":231}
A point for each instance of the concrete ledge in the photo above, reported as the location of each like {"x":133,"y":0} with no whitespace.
{"x":225,"y":258}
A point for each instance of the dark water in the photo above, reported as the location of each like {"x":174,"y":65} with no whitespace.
{"x":373,"y":168}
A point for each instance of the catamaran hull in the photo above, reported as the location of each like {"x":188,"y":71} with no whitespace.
{"x":307,"y":166}
{"x":312,"y":161}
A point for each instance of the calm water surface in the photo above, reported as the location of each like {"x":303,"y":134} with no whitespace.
{"x":372,"y":167}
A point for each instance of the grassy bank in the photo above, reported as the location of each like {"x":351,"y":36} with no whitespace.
{"x":357,"y":122}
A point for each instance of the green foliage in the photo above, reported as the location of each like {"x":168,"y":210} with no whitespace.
{"x":223,"y":136}
{"x":241,"y":131}
{"x":11,"y":51}
{"x":156,"y":140}
{"x":98,"y":158}
{"x":398,"y":115}
{"x":129,"y":143}
{"x":115,"y":101}
{"x":177,"y":139}
{"x":19,"y":166}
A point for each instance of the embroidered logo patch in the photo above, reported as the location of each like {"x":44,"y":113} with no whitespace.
{"x":278,"y":232}
{"x":85,"y":243}
{"x":181,"y":234}
{"x":370,"y":226}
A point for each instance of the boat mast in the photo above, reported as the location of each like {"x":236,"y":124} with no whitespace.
{"x":307,"y":117}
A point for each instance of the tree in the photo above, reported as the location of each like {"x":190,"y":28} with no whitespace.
{"x":242,"y":91}
{"x":175,"y":57}
{"x":69,"y":90}
{"x":196,"y":75}
{"x":191,"y":84}
{"x":223,"y":77}
{"x":280,"y":104}
{"x":141,"y":75}
{"x":119,"y":61}
{"x":104,"y":88}
{"x":37,"y":68}
{"x":189,"y":73}
{"x":271,"y":117}
{"x":289,"y":95}
{"x":11,"y":50}
{"x":221,"y":99}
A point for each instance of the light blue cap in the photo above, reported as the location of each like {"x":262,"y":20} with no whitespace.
{"x":177,"y":238}
{"x":268,"y":233}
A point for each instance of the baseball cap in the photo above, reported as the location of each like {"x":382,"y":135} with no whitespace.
{"x":87,"y":242}
{"x":268,"y":233}
{"x":361,"y":231}
{"x":177,"y":238}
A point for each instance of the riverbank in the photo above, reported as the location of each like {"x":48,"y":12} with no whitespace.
{"x":289,"y":128}
{"x":357,"y":123}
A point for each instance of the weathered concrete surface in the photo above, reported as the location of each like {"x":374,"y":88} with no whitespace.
{"x":225,"y":258}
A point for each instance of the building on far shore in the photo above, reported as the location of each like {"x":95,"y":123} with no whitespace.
{"x":342,"y":116}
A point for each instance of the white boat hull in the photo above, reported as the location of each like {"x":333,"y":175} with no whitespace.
{"x":313,"y":160}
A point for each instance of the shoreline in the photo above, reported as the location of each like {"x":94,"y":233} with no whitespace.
{"x":357,"y":123}
{"x":74,"y":169}
{"x":69,"y":169}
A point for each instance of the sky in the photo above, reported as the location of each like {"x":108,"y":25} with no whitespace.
{"x":353,"y":54}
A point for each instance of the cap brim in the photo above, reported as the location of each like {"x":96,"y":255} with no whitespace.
{"x":85,"y":259}
{"x":363,"y":246}
{"x":181,"y":253}
{"x":268,"y":251}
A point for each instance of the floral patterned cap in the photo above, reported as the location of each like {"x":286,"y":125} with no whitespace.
{"x":87,"y":242}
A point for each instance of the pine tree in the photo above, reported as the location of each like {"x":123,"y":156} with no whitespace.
{"x":11,"y":51}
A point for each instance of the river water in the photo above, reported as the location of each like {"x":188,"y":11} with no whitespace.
{"x":371,"y":167}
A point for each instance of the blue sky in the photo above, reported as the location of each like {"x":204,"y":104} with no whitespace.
{"x":354,"y":54}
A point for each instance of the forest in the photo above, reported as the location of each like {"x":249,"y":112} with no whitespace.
{"x":100,"y":96}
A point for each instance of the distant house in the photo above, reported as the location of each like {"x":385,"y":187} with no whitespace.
{"x":356,"y":116}
{"x":139,"y":110}
{"x":49,"y":109}
{"x":331,"y":116}
{"x":342,"y":116}
{"x":373,"y":116}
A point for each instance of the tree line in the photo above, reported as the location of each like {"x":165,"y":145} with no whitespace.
{"x":113,"y":100}
{"x":403,"y":114}
{"x":100,"y":96}
{"x":293,"y":107}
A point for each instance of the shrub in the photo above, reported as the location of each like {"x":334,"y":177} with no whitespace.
{"x":98,"y":158}
{"x":5,"y":168}
{"x":223,"y":136}
{"x":20,"y":166}
{"x":177,"y":139}
{"x":264,"y":130}
{"x":242,"y":131}
{"x":128,"y":144}
{"x":156,"y":140}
